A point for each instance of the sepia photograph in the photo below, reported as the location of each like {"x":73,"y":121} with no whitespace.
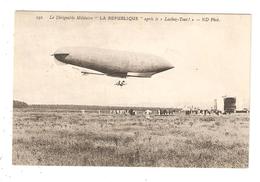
{"x":131,"y":89}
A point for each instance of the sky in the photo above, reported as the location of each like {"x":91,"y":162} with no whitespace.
{"x":211,"y":59}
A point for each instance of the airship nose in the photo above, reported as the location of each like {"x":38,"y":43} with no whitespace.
{"x":60,"y":55}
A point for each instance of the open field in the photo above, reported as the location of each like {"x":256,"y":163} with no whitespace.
{"x":41,"y":137}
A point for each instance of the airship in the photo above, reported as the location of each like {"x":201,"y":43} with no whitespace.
{"x":114,"y":63}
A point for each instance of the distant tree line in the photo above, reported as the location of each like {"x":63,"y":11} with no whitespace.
{"x":93,"y":107}
{"x":19,"y":104}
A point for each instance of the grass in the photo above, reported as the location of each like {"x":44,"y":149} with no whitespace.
{"x":75,"y":139}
